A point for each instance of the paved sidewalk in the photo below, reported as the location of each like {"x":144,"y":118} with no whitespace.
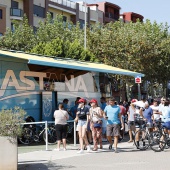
{"x":128,"y":158}
{"x":38,"y":157}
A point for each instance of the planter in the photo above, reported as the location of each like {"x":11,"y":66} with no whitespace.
{"x":9,"y":154}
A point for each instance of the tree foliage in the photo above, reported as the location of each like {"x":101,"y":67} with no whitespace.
{"x":11,"y":122}
{"x":141,"y":47}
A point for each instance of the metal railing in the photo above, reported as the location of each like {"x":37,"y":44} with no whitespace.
{"x":46,"y":128}
{"x":16,"y":12}
{"x":111,"y":15}
{"x":65,"y":3}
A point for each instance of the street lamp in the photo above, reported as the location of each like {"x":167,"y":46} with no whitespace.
{"x":85,"y":15}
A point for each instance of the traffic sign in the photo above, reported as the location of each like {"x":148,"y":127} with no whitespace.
{"x":138,"y":79}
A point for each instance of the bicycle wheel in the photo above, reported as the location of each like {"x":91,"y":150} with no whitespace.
{"x":27,"y":136}
{"x":141,"y":139}
{"x":157,"y":141}
{"x":52,"y":138}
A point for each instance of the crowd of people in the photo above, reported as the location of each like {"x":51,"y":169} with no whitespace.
{"x":105,"y":120}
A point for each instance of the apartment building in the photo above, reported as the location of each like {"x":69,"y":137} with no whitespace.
{"x":36,"y":11}
{"x":131,"y":17}
{"x":110,"y":11}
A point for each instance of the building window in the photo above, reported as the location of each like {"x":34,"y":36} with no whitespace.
{"x":34,"y":29}
{"x":52,"y":15}
{"x":39,"y":11}
{"x":14,"y":4}
{"x":64,"y":18}
{"x":0,"y":13}
{"x":12,"y":27}
{"x":81,"y":23}
{"x":1,"y":34}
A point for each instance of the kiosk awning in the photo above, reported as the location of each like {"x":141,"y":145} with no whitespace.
{"x":68,"y":63}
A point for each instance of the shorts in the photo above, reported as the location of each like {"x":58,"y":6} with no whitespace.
{"x":82,"y":123}
{"x":61,"y":131}
{"x":88,"y":126}
{"x":131,"y":125}
{"x":139,"y":123}
{"x":113,"y":130}
{"x":104,"y":130}
{"x":149,"y":125}
{"x":166,"y":125}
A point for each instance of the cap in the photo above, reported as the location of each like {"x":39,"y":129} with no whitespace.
{"x":133,"y":100}
{"x":93,"y":101}
{"x":163,"y":99}
{"x":82,"y":100}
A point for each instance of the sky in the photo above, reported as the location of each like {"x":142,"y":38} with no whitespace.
{"x":154,"y":10}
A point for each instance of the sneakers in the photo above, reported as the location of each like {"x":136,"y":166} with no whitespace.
{"x":80,"y":151}
{"x":88,"y":148}
{"x":57,"y":149}
{"x":110,"y":146}
{"x":130,"y":141}
{"x":116,"y":151}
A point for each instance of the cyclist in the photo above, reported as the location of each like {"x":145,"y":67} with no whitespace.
{"x":166,"y":116}
{"x":161,"y":105}
{"x":155,"y":109}
{"x":138,"y":116}
{"x":148,"y":113}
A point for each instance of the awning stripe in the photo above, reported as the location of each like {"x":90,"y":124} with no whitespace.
{"x":68,"y":63}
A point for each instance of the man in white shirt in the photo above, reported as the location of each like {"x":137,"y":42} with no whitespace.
{"x":161,"y":105}
{"x":155,"y":109}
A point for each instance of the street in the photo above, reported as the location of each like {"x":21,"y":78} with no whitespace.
{"x":128,"y":158}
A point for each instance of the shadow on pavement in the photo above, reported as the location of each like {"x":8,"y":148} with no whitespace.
{"x":27,"y":165}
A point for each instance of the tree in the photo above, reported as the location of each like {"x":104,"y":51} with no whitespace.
{"x":21,"y":39}
{"x":141,"y":47}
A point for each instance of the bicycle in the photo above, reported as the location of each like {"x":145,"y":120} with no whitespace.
{"x":30,"y":134}
{"x":141,"y":137}
{"x":159,"y":139}
{"x":52,"y":138}
{"x":26,"y":137}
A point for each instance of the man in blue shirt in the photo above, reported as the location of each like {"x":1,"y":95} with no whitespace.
{"x":112,"y":114}
{"x":147,"y":114}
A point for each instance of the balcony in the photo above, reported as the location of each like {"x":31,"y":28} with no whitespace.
{"x":16,"y":13}
{"x":112,"y":16}
{"x":66,"y":3}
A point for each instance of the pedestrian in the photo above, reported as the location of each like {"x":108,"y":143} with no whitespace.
{"x":148,"y":116}
{"x":82,"y":116}
{"x":161,"y":105}
{"x":166,"y":116}
{"x":96,"y":124}
{"x":155,"y":108}
{"x":104,"y":121}
{"x":112,"y":114}
{"x":131,"y":123}
{"x":61,"y":116}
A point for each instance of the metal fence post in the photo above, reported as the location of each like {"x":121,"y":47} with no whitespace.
{"x":74,"y":133}
{"x":46,"y":133}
